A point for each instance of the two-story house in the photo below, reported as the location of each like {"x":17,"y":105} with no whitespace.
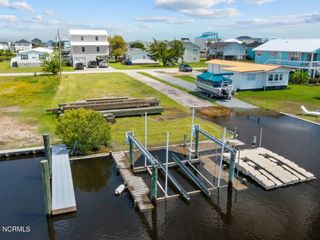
{"x":227,"y":51}
{"x":21,"y":45}
{"x":89,"y":45}
{"x":301,"y":54}
{"x":191,"y":52}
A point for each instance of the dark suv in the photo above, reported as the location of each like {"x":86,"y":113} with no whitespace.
{"x":92,"y":64}
{"x":79,"y":66}
{"x":185,"y":68}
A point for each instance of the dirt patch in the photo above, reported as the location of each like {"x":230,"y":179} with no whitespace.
{"x":10,"y":109}
{"x":215,"y":111}
{"x":17,"y":134}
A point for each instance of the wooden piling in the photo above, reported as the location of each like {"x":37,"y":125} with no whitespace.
{"x":231,"y":168}
{"x":47,"y":151}
{"x":154,"y":186}
{"x":196,"y":144}
{"x":46,"y":186}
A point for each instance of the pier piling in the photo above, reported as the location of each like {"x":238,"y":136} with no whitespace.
{"x":46,"y":186}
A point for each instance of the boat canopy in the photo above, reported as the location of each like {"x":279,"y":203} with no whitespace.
{"x":215,"y":78}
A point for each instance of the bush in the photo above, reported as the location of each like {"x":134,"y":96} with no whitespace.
{"x":300,"y":77}
{"x":83,"y":130}
{"x":50,"y":64}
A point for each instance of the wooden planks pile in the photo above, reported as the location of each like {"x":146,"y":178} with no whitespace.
{"x":271,"y":170}
{"x":136,"y":185}
{"x":114,"y":107}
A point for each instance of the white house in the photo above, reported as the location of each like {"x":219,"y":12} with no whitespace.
{"x":89,"y":45}
{"x":4,"y":45}
{"x":248,"y":76}
{"x":21,"y":45}
{"x":31,"y":58}
{"x":191,"y":52}
{"x":227,"y":51}
{"x":139,"y":56}
{"x":206,"y":38}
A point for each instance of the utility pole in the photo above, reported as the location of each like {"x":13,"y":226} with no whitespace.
{"x":59,"y":45}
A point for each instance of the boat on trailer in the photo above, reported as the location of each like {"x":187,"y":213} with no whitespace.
{"x":215,"y":85}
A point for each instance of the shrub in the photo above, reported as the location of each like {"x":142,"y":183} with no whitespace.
{"x":299,"y":77}
{"x":83,"y":130}
{"x":50,"y":64}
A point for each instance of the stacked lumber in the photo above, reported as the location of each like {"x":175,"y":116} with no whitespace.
{"x":114,"y":107}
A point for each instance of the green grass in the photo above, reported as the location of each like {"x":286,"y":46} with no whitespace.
{"x":5,"y":68}
{"x":288,"y":101}
{"x":201,"y":64}
{"x":34,"y":94}
{"x":186,"y":78}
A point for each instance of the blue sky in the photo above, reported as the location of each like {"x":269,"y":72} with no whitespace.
{"x":161,"y":19}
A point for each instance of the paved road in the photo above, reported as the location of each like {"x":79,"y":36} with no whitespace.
{"x":179,"y":96}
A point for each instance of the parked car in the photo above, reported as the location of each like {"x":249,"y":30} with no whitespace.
{"x":185,"y":68}
{"x":103,"y":64}
{"x":92,"y":64}
{"x":79,"y":66}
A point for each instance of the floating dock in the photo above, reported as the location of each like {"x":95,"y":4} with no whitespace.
{"x":63,"y":198}
{"x":269,"y":169}
{"x":136,"y":185}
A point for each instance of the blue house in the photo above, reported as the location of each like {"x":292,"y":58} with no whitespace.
{"x":301,"y":54}
{"x":250,"y":53}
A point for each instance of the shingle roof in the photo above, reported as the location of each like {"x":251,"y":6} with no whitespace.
{"x":290,"y":45}
{"x":22,"y":41}
{"x":243,"y":66}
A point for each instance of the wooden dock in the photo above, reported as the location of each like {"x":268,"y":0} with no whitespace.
{"x":269,"y":169}
{"x":21,"y":151}
{"x":136,"y":185}
{"x":63,"y":197}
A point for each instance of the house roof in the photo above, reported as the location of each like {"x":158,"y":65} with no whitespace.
{"x":39,"y":49}
{"x":222,"y":45}
{"x":253,"y":44}
{"x":233,"y":40}
{"x":244,"y":38}
{"x":190,"y":43}
{"x":243,"y":67}
{"x":22,"y":41}
{"x":36,"y":40}
{"x":290,"y":45}
{"x":87,"y":32}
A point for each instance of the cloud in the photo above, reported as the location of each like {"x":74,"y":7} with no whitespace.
{"x":198,"y":8}
{"x":49,"y":12}
{"x":37,"y":18}
{"x":165,"y":19}
{"x":288,"y":20}
{"x":259,"y":2}
{"x":19,"y":5}
{"x":8,"y":18}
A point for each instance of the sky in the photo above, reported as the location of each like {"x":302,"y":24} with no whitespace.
{"x":160,"y":19}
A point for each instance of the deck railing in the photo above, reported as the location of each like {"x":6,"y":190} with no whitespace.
{"x":295,"y":64}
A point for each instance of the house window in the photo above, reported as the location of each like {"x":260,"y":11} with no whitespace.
{"x":82,"y":38}
{"x":274,"y":54}
{"x":270,"y":77}
{"x":97,"y":39}
{"x":42,"y":56}
{"x":280,"y":77}
{"x":251,"y":76}
{"x":259,"y":54}
{"x":195,"y":50}
{"x":83,"y":49}
{"x":295,"y":56}
{"x":24,"y":57}
{"x":98,"y":49}
{"x":276,"y":77}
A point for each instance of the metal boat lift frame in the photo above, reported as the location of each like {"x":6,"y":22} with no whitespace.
{"x":197,"y":131}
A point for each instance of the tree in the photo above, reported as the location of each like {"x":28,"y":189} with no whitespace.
{"x":137,"y":45}
{"x":168,"y":53}
{"x":117,"y":46}
{"x":83,"y":130}
{"x":300,"y":77}
{"x":50,"y":64}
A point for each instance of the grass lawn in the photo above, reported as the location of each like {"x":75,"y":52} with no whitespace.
{"x":186,"y":78}
{"x":30,"y":96}
{"x":201,"y":64}
{"x":288,"y":101}
{"x":5,"y":68}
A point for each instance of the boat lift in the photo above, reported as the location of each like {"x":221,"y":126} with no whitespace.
{"x":197,"y":131}
{"x":131,"y":141}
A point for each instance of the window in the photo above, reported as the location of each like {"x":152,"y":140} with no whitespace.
{"x":24,"y":57}
{"x":280,"y":76}
{"x":195,"y":50}
{"x":83,"y":49}
{"x":270,"y":77}
{"x":82,"y":38}
{"x":295,"y":56}
{"x":97,"y":38}
{"x":42,"y":56}
{"x":251,"y":76}
{"x":274,"y":54}
{"x":276,"y":77}
{"x":258,"y":53}
{"x":98,"y":49}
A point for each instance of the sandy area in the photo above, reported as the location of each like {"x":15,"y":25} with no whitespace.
{"x":17,"y":134}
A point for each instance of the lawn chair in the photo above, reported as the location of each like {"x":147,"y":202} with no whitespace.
{"x":310,"y":113}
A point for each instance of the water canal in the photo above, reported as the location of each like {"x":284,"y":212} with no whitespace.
{"x":286,"y":213}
